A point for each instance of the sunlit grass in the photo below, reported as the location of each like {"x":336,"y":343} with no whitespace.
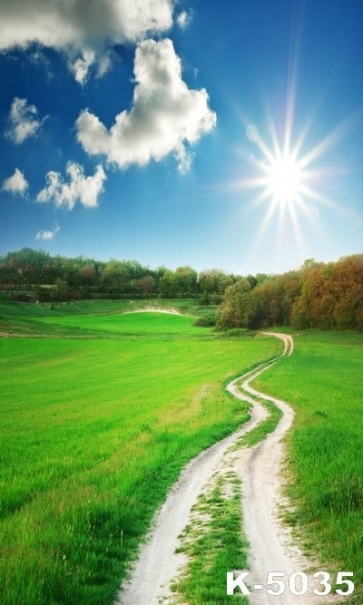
{"x":323,"y":381}
{"x":145,"y":324}
{"x":97,"y":318}
{"x":93,"y":432}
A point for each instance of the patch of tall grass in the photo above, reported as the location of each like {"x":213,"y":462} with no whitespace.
{"x":323,"y":381}
{"x":92,"y":434}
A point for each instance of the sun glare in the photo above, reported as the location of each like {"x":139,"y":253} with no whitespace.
{"x":284,"y":179}
{"x":288,"y":179}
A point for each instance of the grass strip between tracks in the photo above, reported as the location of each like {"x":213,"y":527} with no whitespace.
{"x":214,"y":544}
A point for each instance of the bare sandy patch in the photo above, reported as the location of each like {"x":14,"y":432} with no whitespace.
{"x":155,"y":310}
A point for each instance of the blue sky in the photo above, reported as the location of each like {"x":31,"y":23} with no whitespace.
{"x":211,"y":134}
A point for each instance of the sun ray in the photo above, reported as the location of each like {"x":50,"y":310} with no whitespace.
{"x":263,"y":228}
{"x":292,"y":78}
{"x":295,"y":224}
{"x":318,"y":197}
{"x":327,"y":142}
{"x":274,"y":137}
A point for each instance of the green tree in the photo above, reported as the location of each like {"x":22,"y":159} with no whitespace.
{"x":186,"y":280}
{"x":234,"y":310}
{"x":168,"y":284}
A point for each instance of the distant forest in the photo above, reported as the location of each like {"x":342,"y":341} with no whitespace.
{"x":318,"y":295}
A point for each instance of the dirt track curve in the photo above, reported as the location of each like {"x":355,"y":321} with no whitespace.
{"x":259,"y":467}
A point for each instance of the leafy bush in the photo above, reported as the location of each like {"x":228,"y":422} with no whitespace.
{"x":206,"y":321}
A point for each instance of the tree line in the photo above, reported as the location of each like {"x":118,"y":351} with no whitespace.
{"x":318,"y":295}
{"x":35,"y":275}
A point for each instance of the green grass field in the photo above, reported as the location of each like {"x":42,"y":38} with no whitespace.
{"x":85,"y":319}
{"x":97,"y":417}
{"x":145,"y":325}
{"x":323,"y":380}
{"x":101,"y":409}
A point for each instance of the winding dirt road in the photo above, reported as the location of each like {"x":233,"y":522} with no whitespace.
{"x":259,"y":467}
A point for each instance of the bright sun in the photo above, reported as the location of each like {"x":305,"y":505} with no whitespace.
{"x":284,"y":179}
{"x":285,"y":176}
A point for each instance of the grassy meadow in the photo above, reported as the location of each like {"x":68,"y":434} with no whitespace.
{"x":323,"y":381}
{"x":88,"y":318}
{"x":99,"y":412}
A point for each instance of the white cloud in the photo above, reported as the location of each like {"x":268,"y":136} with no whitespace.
{"x":81,"y":188}
{"x":166,"y":117}
{"x":74,"y":27}
{"x":104,"y":65}
{"x":24,"y":121}
{"x":184,"y":18}
{"x":80,"y":67}
{"x":38,"y":57}
{"x":48,"y":235}
{"x":16,"y":183}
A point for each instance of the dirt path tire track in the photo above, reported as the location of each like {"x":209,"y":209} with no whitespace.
{"x":158,"y":564}
{"x":272,"y":548}
{"x":260,"y":470}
